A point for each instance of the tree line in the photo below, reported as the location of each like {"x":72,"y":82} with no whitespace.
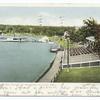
{"x":77,"y":34}
{"x":35,"y":30}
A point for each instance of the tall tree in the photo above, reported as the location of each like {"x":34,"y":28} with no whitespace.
{"x":90,"y":26}
{"x":93,"y":28}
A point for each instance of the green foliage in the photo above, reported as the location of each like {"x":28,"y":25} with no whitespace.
{"x":89,"y":29}
{"x":90,"y":26}
{"x":37,"y":30}
{"x":76,"y":35}
{"x":61,"y":41}
{"x":97,"y":40}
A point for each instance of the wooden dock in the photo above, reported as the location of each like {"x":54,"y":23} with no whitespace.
{"x":51,"y":74}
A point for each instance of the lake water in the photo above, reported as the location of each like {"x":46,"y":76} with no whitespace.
{"x":24,"y":62}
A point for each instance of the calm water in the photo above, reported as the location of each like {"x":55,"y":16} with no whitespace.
{"x":23,"y":62}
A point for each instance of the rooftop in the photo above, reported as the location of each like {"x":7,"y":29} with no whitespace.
{"x":91,"y":38}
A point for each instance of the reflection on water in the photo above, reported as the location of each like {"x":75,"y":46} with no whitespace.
{"x":23,"y":62}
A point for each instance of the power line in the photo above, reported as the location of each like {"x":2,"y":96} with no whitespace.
{"x":61,"y":20}
{"x":40,"y":20}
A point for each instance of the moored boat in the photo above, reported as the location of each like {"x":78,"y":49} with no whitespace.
{"x":14,"y":39}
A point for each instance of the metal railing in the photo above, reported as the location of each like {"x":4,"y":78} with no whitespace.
{"x":83,"y":64}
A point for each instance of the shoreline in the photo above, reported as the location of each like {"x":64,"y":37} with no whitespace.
{"x":46,"y":71}
{"x":53,"y":70}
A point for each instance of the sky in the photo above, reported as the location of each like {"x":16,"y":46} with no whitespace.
{"x":50,"y":16}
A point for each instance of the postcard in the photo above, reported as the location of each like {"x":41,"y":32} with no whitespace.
{"x":49,"y":49}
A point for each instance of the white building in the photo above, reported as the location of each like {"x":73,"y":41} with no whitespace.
{"x":44,"y":39}
{"x":90,"y":42}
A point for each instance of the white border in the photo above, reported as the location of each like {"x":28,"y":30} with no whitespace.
{"x":50,"y":1}
{"x":28,"y":4}
{"x":7,"y":90}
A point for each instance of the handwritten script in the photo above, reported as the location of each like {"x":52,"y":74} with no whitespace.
{"x":49,"y":89}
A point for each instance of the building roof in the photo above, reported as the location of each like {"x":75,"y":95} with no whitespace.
{"x":91,"y":38}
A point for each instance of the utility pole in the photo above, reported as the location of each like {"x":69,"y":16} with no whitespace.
{"x":40,"y":20}
{"x":61,"y":20}
{"x":67,"y":36}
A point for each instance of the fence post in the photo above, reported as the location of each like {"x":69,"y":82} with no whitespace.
{"x":99,"y":63}
{"x":89,"y":64}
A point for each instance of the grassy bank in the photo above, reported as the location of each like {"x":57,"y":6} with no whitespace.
{"x":79,"y":75}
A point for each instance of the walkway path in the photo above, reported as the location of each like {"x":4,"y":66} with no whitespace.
{"x":49,"y":76}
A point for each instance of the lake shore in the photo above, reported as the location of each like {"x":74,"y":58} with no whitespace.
{"x":53,"y":71}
